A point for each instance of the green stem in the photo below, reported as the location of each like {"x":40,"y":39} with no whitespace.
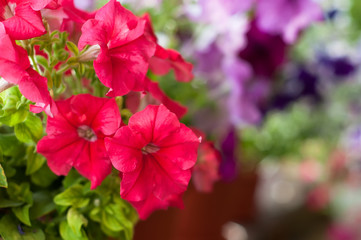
{"x":64,"y":69}
{"x":35,"y":64}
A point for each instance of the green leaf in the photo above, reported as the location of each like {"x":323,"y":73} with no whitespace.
{"x":10,"y":145}
{"x":29,"y":131}
{"x":73,"y":48}
{"x":3,"y":181}
{"x":10,"y":229}
{"x":5,"y":203}
{"x":43,"y":61}
{"x":67,"y":233}
{"x":72,"y":178}
{"x":22,"y":213}
{"x":34,"y":161}
{"x":72,"y":196}
{"x":1,"y":154}
{"x":15,"y":107}
{"x":116,"y":219}
{"x":73,"y":61}
{"x":43,"y":204}
{"x":43,"y":177}
{"x":76,"y":220}
{"x":20,"y":193}
{"x":11,"y":118}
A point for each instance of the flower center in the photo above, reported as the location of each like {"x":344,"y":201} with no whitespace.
{"x":87,"y":133}
{"x":150,"y":148}
{"x":9,"y":10}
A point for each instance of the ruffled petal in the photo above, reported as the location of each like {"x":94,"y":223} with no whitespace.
{"x":165,"y":60}
{"x":61,"y":151}
{"x":35,"y":87}
{"x":125,"y":149}
{"x":25,"y":24}
{"x":93,"y":163}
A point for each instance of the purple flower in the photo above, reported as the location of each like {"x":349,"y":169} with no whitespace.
{"x":339,"y":66}
{"x":302,"y":82}
{"x":287,"y":17}
{"x":229,"y":165}
{"x":264,"y":52}
{"x":217,"y":11}
{"x":86,"y":5}
{"x":246,"y":93}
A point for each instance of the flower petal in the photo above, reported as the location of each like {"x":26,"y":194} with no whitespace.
{"x":93,"y":163}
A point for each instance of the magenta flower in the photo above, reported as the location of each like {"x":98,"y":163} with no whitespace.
{"x":287,"y":18}
{"x":153,"y":94}
{"x":20,"y":20}
{"x":15,"y":69}
{"x":64,"y":16}
{"x":76,"y":136}
{"x":155,"y":154}
{"x":122,"y":51}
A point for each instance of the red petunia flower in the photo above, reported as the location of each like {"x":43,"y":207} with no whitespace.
{"x":16,"y":70}
{"x":64,"y":16}
{"x":41,"y":4}
{"x":155,"y":154}
{"x":21,"y":21}
{"x":76,"y":136}
{"x":121,"y":50}
{"x":166,"y":59}
{"x":153,"y":94}
{"x":206,"y":171}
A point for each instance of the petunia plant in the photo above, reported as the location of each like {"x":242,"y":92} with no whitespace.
{"x":89,"y":141}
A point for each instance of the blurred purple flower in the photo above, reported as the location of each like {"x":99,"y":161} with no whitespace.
{"x":216,"y":11}
{"x":246,"y":93}
{"x":86,"y":5}
{"x":287,"y":17}
{"x":229,"y":165}
{"x":339,"y":66}
{"x":299,"y":84}
{"x":264,"y":52}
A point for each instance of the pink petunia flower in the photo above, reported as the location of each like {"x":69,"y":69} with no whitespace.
{"x":165,"y":60}
{"x":76,"y":136}
{"x":66,"y":17}
{"x":119,"y":47}
{"x":16,"y":70}
{"x":20,"y":19}
{"x":155,"y":154}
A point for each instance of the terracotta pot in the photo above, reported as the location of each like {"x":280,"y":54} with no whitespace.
{"x":204,"y":214}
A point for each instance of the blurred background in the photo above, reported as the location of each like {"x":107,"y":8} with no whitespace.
{"x":277,"y":90}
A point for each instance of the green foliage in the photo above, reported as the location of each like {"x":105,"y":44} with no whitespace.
{"x":283,"y":133}
{"x":34,"y":161}
{"x":10,"y":229}
{"x":355,"y":10}
{"x":73,"y":196}
{"x":67,"y":233}
{"x":3,"y":181}
{"x":76,"y":220}
{"x":43,"y":177}
{"x":43,"y":204}
{"x":14,"y":107}
{"x":10,"y":145}
{"x":31,"y":130}
{"x":22,"y":213}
